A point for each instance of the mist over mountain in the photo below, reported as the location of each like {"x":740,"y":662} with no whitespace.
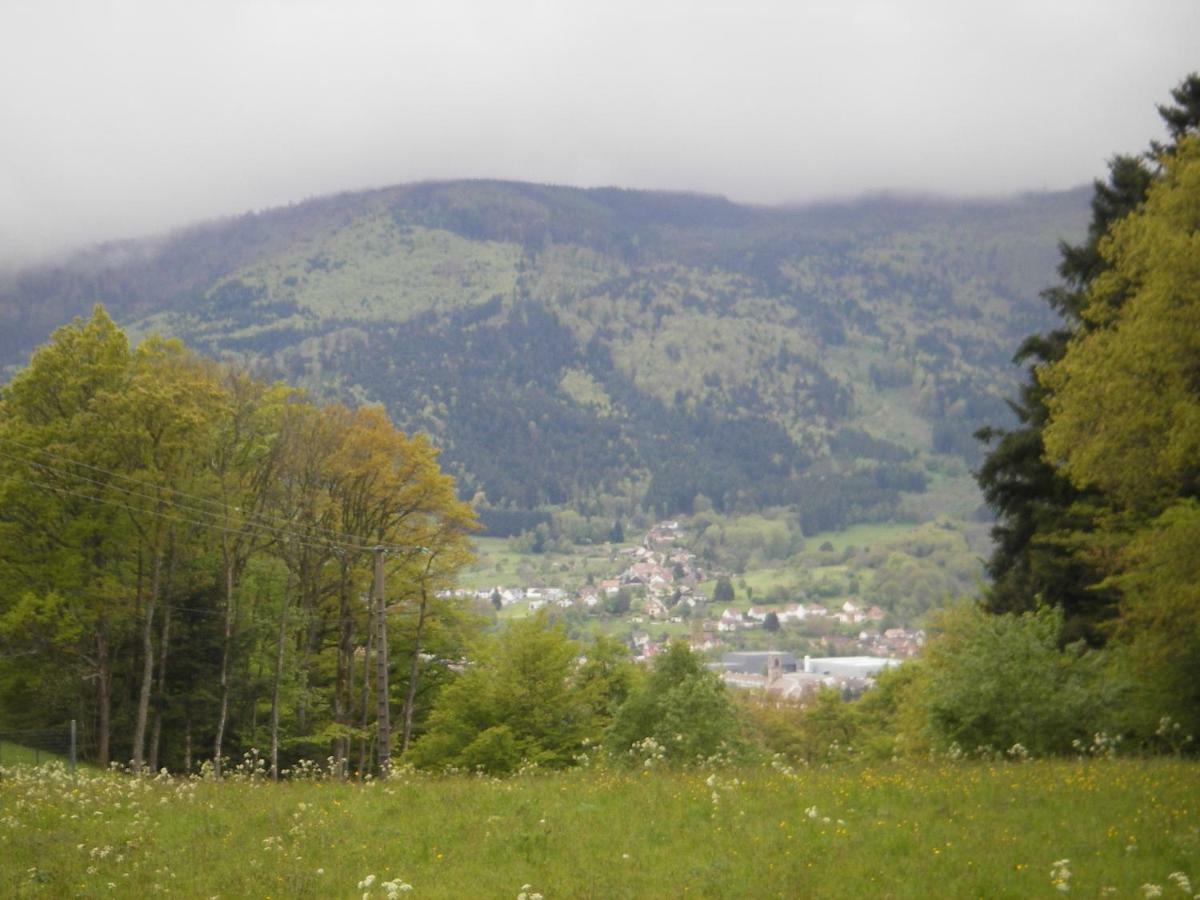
{"x":568,"y":346}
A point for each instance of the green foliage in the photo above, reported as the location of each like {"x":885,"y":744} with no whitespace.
{"x":1047,"y":512}
{"x":619,"y":603}
{"x":995,"y":681}
{"x":723,"y":592}
{"x":514,"y":703}
{"x":606,"y":678}
{"x":1142,"y":346}
{"x":826,"y":729}
{"x":681,"y":706}
{"x":167,"y":523}
{"x":1160,"y":619}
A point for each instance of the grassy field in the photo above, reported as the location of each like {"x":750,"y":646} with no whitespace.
{"x":497,"y":564}
{"x":897,"y":830}
{"x":19,"y":755}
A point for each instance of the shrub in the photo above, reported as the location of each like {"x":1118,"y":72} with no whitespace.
{"x":992,"y":681}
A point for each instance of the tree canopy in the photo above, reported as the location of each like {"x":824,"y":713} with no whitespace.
{"x":186,"y":546}
{"x":1042,"y":513}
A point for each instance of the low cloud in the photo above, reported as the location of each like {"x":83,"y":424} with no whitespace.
{"x":126,"y":118}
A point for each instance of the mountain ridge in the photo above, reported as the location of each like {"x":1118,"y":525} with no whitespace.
{"x":566,"y":345}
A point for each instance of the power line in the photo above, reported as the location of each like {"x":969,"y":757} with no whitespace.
{"x":107,"y":501}
{"x":210,"y":519}
{"x":222,"y":508}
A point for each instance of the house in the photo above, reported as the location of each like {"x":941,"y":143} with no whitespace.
{"x":655,"y":608}
{"x":647,"y":573}
{"x":793,"y":612}
{"x":850,"y":613}
{"x":731,"y":620}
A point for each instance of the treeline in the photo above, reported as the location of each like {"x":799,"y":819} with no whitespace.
{"x":1097,"y":493}
{"x":186,"y":554}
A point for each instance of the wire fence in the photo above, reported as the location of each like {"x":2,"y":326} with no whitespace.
{"x":34,"y":746}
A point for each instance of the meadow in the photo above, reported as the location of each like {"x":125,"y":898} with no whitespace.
{"x":1091,"y":827}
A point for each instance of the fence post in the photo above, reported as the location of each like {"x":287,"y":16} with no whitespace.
{"x":71,"y":756}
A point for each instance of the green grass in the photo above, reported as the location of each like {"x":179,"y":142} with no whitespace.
{"x":861,"y":535}
{"x":894,"y":830}
{"x":19,"y":755}
{"x":497,"y":564}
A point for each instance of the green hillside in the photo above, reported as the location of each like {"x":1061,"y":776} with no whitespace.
{"x":608,"y":348}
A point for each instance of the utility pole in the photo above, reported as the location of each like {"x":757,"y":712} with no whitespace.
{"x":381,"y":662}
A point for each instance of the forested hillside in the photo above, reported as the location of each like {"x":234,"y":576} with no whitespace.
{"x":609,"y":348}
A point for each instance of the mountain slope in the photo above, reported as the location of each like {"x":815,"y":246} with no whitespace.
{"x":566,"y":345}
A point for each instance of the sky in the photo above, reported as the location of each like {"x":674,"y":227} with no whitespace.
{"x":124,"y":118}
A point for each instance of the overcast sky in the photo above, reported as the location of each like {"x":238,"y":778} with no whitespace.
{"x":125,"y":118}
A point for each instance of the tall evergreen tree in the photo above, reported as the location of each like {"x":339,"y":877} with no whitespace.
{"x":1040,"y":513}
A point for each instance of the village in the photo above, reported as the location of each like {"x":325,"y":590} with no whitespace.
{"x":657,"y":595}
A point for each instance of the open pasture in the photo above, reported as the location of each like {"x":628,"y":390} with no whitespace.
{"x":947,"y":829}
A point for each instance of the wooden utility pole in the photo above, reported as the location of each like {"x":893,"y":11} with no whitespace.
{"x":381,"y":662}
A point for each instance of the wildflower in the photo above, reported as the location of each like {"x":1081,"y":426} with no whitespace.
{"x":1181,"y":881}
{"x":395,"y":888}
{"x":1151,"y":890}
{"x":1060,"y":875}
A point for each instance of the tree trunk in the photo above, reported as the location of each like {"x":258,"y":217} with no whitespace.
{"x":279,"y":648}
{"x":143,"y":707}
{"x":187,"y":746}
{"x":103,"y":696}
{"x":160,"y":694}
{"x":381,"y":675}
{"x":345,"y":663}
{"x":226,"y":648}
{"x":410,"y":696}
{"x":366,"y":692}
{"x":163,"y":646}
